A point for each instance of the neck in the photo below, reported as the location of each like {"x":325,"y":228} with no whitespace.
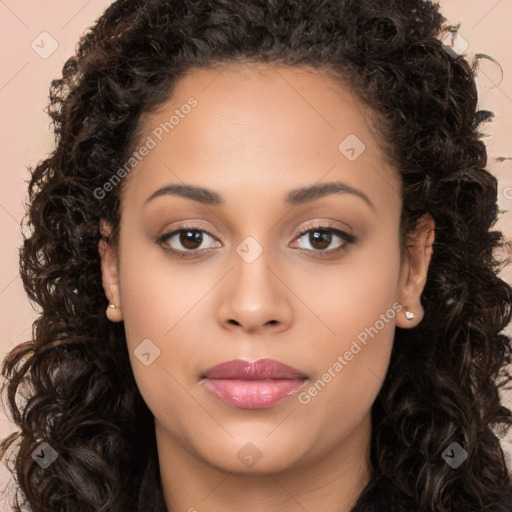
{"x":325,"y":482}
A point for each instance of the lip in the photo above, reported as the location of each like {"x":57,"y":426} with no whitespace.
{"x":253,"y":370}
{"x":253,"y":384}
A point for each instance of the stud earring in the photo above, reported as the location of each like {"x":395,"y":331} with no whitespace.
{"x":114,"y":313}
{"x":409,"y":314}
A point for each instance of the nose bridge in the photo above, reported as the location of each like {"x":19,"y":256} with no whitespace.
{"x":254,"y":282}
{"x":254,"y":296}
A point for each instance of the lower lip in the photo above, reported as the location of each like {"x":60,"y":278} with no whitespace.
{"x":253,"y":394}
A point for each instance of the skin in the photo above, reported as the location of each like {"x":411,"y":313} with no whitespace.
{"x":256,"y":133}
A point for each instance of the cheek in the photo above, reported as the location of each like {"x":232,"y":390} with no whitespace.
{"x":153,"y":301}
{"x":352,"y":297}
{"x":157,"y":293}
{"x":359,"y":306}
{"x":168,"y":303}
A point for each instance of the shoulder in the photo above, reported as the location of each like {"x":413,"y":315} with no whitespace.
{"x":381,"y":495}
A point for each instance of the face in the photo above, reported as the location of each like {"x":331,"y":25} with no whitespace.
{"x":292,"y":255}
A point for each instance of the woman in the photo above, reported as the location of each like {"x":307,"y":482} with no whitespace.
{"x":264,"y":254}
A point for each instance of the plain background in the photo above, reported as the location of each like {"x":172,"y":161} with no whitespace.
{"x":37,"y":37}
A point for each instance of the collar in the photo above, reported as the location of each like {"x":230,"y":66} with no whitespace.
{"x":150,"y":497}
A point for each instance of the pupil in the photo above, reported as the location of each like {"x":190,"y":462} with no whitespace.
{"x":189,"y":238}
{"x":323,"y":237}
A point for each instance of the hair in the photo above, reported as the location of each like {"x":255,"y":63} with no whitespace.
{"x":72,"y":386}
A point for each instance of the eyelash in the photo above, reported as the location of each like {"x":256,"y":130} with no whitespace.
{"x":346,"y":237}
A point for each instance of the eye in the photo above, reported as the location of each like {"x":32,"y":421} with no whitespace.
{"x":320,"y":238}
{"x":186,"y":239}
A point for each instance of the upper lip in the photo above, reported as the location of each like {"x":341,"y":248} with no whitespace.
{"x":253,"y":370}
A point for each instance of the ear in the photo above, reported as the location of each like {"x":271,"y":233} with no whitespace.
{"x":110,"y":274}
{"x":413,"y":275}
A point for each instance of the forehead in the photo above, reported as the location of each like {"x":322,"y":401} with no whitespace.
{"x":263,"y":126}
{"x":263,"y":96}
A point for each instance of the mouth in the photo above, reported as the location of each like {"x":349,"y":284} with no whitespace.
{"x":253,"y":385}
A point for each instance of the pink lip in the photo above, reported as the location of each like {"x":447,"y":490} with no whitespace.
{"x":253,"y":385}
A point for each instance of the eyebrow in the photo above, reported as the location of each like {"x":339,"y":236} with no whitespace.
{"x":306,"y":194}
{"x":293,"y":198}
{"x":199,"y":194}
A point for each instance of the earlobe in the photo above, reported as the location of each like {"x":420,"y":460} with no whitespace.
{"x":110,"y":276}
{"x":414,"y":273}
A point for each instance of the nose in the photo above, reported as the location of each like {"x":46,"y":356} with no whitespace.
{"x":254,"y":298}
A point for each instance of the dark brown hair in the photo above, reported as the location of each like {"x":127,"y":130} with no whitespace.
{"x":74,"y":378}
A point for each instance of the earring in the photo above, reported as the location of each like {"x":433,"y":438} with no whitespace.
{"x":114,"y":313}
{"x":409,"y":314}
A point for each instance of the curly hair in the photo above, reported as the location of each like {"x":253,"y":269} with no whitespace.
{"x":72,"y":386}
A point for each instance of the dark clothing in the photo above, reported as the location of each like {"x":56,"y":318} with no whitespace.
{"x":150,"y":493}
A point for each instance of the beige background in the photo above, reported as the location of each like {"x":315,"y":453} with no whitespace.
{"x":29,"y":31}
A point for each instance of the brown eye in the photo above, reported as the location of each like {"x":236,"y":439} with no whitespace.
{"x":190,"y":239}
{"x":320,"y":238}
{"x":187,"y":239}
